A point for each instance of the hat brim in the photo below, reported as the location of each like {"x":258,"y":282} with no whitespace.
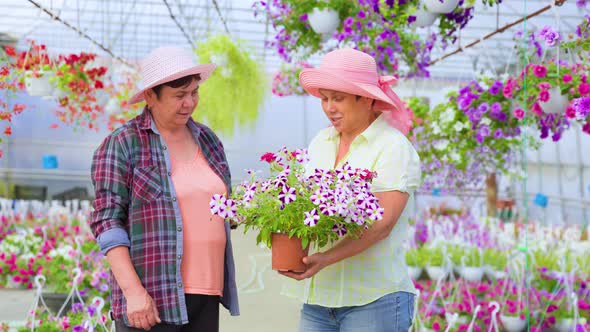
{"x":204,"y":70}
{"x":314,"y":79}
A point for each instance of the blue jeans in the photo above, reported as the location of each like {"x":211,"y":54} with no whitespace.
{"x":391,"y":313}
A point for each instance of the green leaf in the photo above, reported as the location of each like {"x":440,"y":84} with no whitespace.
{"x":304,"y":242}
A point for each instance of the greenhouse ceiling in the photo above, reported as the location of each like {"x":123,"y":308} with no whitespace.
{"x":131,"y":28}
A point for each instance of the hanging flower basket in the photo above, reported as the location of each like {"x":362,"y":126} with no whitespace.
{"x":557,"y":102}
{"x":324,"y":21}
{"x":441,"y":6}
{"x":471,"y":273}
{"x":39,"y":83}
{"x":415,"y":272}
{"x":513,"y":323}
{"x":239,"y":77}
{"x":424,"y":19}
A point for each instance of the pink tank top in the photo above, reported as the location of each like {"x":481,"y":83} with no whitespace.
{"x":202,"y":264}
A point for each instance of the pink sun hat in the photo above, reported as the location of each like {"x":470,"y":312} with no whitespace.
{"x":355,"y":72}
{"x":166,"y":64}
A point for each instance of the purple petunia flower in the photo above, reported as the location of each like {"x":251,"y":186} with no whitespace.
{"x":496,"y":88}
{"x":498,"y":133}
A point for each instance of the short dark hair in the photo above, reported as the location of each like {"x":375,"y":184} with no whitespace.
{"x":177,"y":83}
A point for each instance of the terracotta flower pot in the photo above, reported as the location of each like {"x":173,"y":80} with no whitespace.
{"x":287,"y":253}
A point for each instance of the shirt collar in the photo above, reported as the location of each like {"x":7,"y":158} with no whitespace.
{"x":369,"y":134}
{"x":146,"y":122}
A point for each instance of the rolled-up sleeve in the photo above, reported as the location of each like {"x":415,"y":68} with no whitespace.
{"x":397,"y":167}
{"x":109,"y":172}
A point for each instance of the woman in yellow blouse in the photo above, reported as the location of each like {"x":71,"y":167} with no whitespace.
{"x":363,"y":284}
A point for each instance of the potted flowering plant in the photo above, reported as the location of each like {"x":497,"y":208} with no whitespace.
{"x":10,"y":84}
{"x":316,"y":208}
{"x":495,"y":263}
{"x":35,"y":67}
{"x":556,"y":85}
{"x":415,"y":261}
{"x":473,"y":133}
{"x":77,"y":88}
{"x":285,"y":82}
{"x":434,"y":323}
{"x":436,"y":262}
{"x":291,"y":20}
{"x":579,"y":42}
{"x":237,"y":72}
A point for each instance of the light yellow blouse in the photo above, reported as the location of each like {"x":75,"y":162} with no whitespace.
{"x":381,"y":269}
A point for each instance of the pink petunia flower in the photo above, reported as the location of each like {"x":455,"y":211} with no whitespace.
{"x":540,"y":71}
{"x":584,"y":89}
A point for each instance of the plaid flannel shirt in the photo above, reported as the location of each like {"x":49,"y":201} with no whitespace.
{"x":136,"y":206}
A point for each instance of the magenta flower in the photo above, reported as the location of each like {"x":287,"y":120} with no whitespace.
{"x":540,"y":71}
{"x":544,"y":86}
{"x":536,"y":109}
{"x":566,"y":78}
{"x":570,"y":112}
{"x":584,"y":89}
{"x":544,"y":96}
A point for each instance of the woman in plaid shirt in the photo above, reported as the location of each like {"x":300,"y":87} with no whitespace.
{"x":171,"y":260}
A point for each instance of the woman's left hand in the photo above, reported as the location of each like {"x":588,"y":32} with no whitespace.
{"x":315,"y":263}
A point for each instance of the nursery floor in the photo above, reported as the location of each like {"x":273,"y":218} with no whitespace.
{"x":261,"y":305}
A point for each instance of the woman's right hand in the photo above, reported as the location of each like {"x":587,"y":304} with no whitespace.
{"x":141,"y":309}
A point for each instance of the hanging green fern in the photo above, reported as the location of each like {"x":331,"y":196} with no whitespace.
{"x":234,"y":93}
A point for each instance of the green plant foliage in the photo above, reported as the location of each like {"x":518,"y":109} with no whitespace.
{"x":235,"y":91}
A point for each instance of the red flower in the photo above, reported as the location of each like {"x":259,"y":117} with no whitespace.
{"x":367,"y":175}
{"x":10,"y":50}
{"x":98,"y":85}
{"x":4,"y":71}
{"x":8,"y":131}
{"x":269,"y":157}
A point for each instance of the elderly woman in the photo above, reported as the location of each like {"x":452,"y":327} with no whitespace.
{"x":363,"y":284}
{"x":154,"y":177}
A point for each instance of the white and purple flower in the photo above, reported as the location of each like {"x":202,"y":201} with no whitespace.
{"x":311,"y":218}
{"x":287,"y":195}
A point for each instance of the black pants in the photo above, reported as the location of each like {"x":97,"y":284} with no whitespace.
{"x":203,"y":316}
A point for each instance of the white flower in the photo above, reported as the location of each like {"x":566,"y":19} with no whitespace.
{"x":458,"y":126}
{"x":486,"y":121}
{"x":455,"y":156}
{"x":447,"y":116}
{"x":441,"y":145}
{"x":435,"y":128}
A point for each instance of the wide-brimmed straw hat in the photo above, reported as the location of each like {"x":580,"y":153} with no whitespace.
{"x":355,"y":72}
{"x":166,"y":64}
